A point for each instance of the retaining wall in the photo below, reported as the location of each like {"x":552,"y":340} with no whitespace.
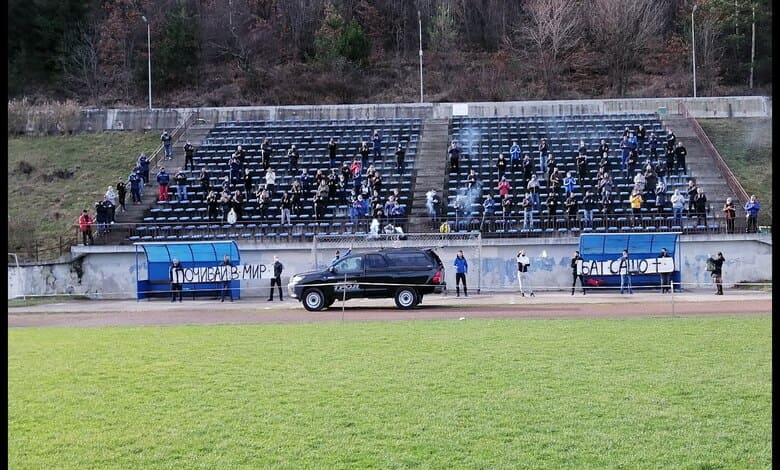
{"x":109,"y":272}
{"x":144,"y":119}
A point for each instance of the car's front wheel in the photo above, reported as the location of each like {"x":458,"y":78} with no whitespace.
{"x":313,"y":300}
{"x":406,"y":298}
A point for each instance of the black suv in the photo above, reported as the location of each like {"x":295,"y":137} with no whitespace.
{"x":406,"y":274}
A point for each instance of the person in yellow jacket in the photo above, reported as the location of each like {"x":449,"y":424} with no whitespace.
{"x":636,"y":205}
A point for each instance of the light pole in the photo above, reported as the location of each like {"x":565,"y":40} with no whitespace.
{"x":419,"y":20}
{"x":149,"y":55}
{"x":693,"y":48}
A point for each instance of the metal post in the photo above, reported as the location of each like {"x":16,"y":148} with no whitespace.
{"x":693,"y":48}
{"x":419,"y":20}
{"x":149,"y":57}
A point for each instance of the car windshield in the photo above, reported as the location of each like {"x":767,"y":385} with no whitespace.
{"x":349,"y":265}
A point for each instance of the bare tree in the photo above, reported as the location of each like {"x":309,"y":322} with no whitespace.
{"x":80,"y":62}
{"x":710,"y":47}
{"x":623,"y":30}
{"x":547,"y":39}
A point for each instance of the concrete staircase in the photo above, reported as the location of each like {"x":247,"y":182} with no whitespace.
{"x":431,"y":170}
{"x":701,"y":167}
{"x":136,"y":212}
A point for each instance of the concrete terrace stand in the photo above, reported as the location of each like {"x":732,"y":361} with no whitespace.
{"x":159,"y":257}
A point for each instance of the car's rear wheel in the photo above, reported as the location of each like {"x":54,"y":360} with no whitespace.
{"x":313,"y":300}
{"x":406,"y":297}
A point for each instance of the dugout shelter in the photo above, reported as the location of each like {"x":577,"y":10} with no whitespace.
{"x":642,"y":248}
{"x":157,"y":258}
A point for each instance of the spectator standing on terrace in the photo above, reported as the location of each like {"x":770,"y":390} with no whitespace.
{"x":665,"y":277}
{"x":514,"y":153}
{"x":248,"y":180}
{"x":101,"y":217}
{"x":533,"y":190}
{"x":346,"y":172}
{"x":504,"y":187}
{"x":181,"y":186}
{"x":506,"y":206}
{"x":305,"y":180}
{"x":143,"y":164}
{"x":332,"y":151}
{"x":211,"y":206}
{"x":400,"y":158}
{"x":235,"y":169}
{"x":163,"y":179}
{"x":625,"y":151}
{"x":205,"y":180}
{"x":624,"y":269}
{"x":167,"y":142}
{"x":691,"y":191}
{"x":523,"y":262}
{"x":671,"y":140}
{"x":471,"y":180}
{"x":292,"y":159}
{"x":576,"y":273}
{"x":635,"y":200}
{"x":488,"y":210}
{"x":661,"y":171}
{"x":528,"y":214}
{"x":501,"y":164}
{"x":652,"y":144}
{"x":572,"y":207}
{"x":226,"y":282}
{"x":461,"y":269}
{"x":112,"y":196}
{"x":660,"y":196}
{"x":679,"y":156}
{"x":543,"y":149}
{"x":552,"y":209}
{"x":641,"y":135}
{"x":454,"y":153}
{"x":241,"y":154}
{"x":554,"y":180}
{"x":189,"y":155}
{"x":589,"y":204}
{"x":751,"y":212}
{"x":363,"y":150}
{"x":700,"y":206}
{"x":263,"y":202}
{"x":606,"y":208}
{"x":603,"y":149}
{"x":640,"y":182}
{"x":569,"y":183}
{"x":632,"y":163}
{"x":270,"y":182}
{"x":651,"y":180}
{"x":296,"y":197}
{"x":678,"y":202}
{"x":730,"y":212}
{"x":552,"y":166}
{"x":582,"y":167}
{"x":225,"y":201}
{"x":266,"y":151}
{"x":121,"y":192}
{"x":135,"y":181}
{"x":237,"y":204}
{"x":528,"y":168}
{"x":176,"y":276}
{"x":717,"y":271}
{"x":85,"y":227}
{"x":376,"y":145}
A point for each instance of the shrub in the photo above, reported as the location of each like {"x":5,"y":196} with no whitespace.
{"x":17,"y":116}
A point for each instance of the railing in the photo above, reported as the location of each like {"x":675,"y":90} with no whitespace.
{"x":731,"y":180}
{"x":175,"y":136}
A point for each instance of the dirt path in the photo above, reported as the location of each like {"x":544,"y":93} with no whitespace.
{"x":548,"y":305}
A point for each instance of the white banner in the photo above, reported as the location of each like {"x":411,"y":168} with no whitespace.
{"x":635,"y":266}
{"x":224,"y":273}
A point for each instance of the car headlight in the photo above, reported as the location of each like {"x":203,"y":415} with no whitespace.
{"x":295,"y":280}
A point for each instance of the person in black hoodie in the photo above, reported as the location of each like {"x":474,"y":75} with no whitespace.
{"x":176,"y":276}
{"x":575,"y":272}
{"x":717,"y":271}
{"x":276,"y":280}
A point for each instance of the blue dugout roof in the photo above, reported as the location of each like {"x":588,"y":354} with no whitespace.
{"x":189,"y":252}
{"x":594,"y":246}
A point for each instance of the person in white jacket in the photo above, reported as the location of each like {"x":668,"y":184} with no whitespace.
{"x":678,"y":202}
{"x":523,"y":261}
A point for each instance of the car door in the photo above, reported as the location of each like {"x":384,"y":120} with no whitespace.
{"x":377,"y":276}
{"x":347,"y":274}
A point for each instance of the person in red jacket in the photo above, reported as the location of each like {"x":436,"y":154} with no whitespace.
{"x":85,"y":226}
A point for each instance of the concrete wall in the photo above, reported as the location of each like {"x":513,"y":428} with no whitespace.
{"x":109,"y":272}
{"x":144,"y":119}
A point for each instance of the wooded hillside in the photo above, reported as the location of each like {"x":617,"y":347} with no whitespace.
{"x":269,"y":52}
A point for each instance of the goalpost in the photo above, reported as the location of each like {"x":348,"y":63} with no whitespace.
{"x":446,"y":245}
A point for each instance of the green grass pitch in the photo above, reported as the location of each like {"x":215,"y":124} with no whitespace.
{"x":687,"y":392}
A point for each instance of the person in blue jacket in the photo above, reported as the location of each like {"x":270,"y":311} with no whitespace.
{"x":514,"y":152}
{"x":461,"y":268}
{"x":751,"y":212}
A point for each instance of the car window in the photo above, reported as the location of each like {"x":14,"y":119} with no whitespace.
{"x":375,"y":262}
{"x":408,"y":259}
{"x":349,"y":265}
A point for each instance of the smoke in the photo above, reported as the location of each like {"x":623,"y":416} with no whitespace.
{"x":429,"y":202}
{"x":466,"y":198}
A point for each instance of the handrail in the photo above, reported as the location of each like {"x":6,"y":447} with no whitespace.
{"x":175,"y":136}
{"x":731,"y":179}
